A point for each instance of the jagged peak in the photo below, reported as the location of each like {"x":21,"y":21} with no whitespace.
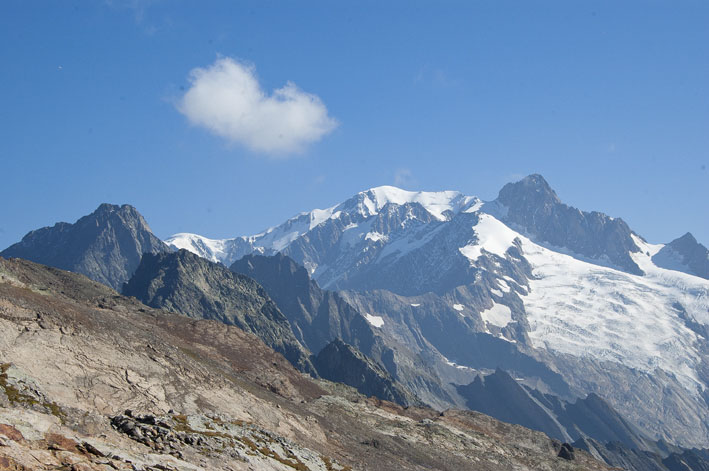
{"x":688,"y":237}
{"x":110,"y":208}
{"x":532,"y":187}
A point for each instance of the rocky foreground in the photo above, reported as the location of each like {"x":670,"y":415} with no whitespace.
{"x":91,"y":380}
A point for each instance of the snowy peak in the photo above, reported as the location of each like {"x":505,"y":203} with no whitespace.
{"x":213,"y":250}
{"x":441,"y":204}
{"x":362,"y":207}
{"x":390,"y":216}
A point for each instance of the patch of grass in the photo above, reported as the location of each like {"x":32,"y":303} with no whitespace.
{"x":329,"y":466}
{"x":293,"y":462}
{"x":183,"y":426}
{"x":16,"y":397}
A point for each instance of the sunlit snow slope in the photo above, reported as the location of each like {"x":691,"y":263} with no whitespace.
{"x":584,"y":309}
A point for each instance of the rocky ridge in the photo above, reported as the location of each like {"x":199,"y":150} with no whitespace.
{"x":532,"y":205}
{"x":316,"y":316}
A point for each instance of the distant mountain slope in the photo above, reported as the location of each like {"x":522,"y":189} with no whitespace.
{"x":684,"y":254}
{"x":187,"y":284}
{"x":499,"y":395}
{"x":106,"y":245}
{"x":343,"y":363}
{"x":589,"y":423}
{"x":317,"y":316}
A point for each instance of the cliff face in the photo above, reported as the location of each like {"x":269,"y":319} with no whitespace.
{"x":532,"y":205}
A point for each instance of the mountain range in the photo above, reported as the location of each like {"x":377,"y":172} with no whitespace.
{"x":570,"y":302}
{"x":523,"y":307}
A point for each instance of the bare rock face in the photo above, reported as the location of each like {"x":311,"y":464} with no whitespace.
{"x":190,"y":285}
{"x":106,"y":245}
{"x":202,"y":395}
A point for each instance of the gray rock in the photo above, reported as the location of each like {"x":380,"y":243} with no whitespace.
{"x":316,"y":316}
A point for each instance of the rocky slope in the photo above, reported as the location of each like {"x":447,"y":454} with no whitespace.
{"x":320,"y":316}
{"x":92,"y":380}
{"x":106,"y":245}
{"x":589,"y":423}
{"x":184,"y":283}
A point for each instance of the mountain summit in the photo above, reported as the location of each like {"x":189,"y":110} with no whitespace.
{"x":532,"y":205}
{"x":684,"y":254}
{"x":532,"y":191}
{"x":106,"y":245}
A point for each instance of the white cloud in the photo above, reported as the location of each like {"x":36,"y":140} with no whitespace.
{"x":227,"y":99}
{"x":404,"y":178}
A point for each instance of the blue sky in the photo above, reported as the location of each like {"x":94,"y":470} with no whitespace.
{"x":608,"y":100}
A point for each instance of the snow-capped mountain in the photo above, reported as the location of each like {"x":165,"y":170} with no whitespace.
{"x":572,"y":302}
{"x":439,"y":206}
